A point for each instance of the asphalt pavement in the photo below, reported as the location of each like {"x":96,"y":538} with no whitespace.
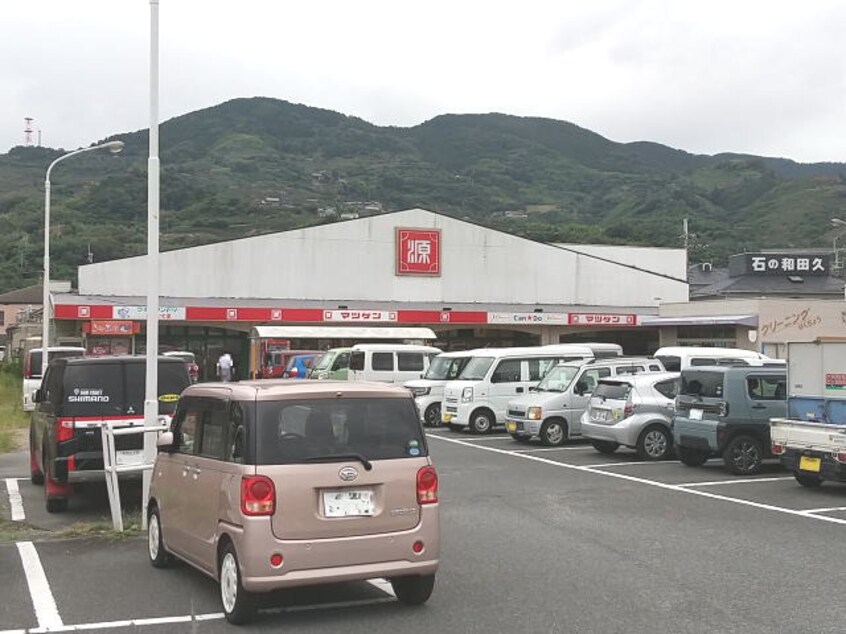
{"x":533,"y":540}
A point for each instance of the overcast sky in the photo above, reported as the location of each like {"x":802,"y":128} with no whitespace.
{"x":764,"y":78}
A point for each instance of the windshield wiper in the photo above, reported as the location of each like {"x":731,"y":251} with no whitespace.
{"x":339,"y":457}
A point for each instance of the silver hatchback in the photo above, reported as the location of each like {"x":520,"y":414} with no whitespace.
{"x":634,"y":411}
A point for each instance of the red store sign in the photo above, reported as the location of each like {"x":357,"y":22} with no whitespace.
{"x":601,"y":319}
{"x":418,"y":252}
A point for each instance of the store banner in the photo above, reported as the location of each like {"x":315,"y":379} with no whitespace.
{"x":369,"y":316}
{"x":166,"y":313}
{"x":528,"y":318}
{"x":112,"y":328}
{"x":602,"y":319}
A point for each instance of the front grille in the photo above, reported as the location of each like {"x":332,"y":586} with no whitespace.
{"x":516,"y":412}
{"x":451,"y":410}
{"x":451,"y":399}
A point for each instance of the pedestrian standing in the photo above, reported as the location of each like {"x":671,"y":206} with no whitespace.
{"x":224,"y":367}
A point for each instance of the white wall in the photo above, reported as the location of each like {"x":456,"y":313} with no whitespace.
{"x":355,"y":260}
{"x":668,"y":261}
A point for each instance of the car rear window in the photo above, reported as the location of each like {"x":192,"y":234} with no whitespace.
{"x":291,"y":432}
{"x":701,"y":383}
{"x":115,"y":389}
{"x":35,"y":358}
{"x":612,"y":391}
{"x":671,"y":363}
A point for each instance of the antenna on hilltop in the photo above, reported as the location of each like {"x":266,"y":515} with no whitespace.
{"x":28,"y":131}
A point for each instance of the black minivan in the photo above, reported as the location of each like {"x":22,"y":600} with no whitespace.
{"x":76,"y":397}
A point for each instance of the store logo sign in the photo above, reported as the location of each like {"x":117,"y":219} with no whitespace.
{"x":418,"y":252}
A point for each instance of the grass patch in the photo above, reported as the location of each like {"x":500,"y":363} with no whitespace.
{"x":22,"y":531}
{"x":12,"y":417}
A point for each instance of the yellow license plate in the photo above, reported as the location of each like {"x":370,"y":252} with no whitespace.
{"x":510,"y":425}
{"x":809,"y":463}
{"x":447,"y":418}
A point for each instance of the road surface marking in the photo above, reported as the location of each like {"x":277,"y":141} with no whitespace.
{"x":713,"y":483}
{"x":384,"y":585}
{"x":826,"y":510}
{"x":39,"y":589}
{"x":15,"y":500}
{"x":627,"y":464}
{"x":659,"y":485}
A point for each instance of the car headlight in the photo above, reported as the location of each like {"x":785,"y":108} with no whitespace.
{"x":467,"y":395}
{"x":420,"y":391}
{"x":534,"y":413}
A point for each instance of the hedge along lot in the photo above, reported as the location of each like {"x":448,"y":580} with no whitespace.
{"x":14,"y":422}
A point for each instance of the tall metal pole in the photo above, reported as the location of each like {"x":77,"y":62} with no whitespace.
{"x":151,"y":402}
{"x":113,"y":146}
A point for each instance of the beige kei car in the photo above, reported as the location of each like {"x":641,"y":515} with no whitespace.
{"x":282,"y":483}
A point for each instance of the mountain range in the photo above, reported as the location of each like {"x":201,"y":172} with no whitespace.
{"x":259,"y":165}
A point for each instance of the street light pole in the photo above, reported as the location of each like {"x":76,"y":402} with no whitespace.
{"x":114,"y":147}
{"x":151,"y":402}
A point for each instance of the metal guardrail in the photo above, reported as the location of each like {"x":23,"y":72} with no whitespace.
{"x":112,"y":469}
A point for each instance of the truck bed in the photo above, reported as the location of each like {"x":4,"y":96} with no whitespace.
{"x":800,"y":434}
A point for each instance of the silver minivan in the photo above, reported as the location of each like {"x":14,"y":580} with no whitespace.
{"x":552,"y":411}
{"x":278,"y":484}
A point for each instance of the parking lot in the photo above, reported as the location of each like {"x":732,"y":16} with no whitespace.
{"x":535,"y":539}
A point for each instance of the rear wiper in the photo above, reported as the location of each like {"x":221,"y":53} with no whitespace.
{"x":339,"y":457}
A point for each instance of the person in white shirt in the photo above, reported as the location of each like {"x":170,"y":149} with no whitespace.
{"x":224,"y":367}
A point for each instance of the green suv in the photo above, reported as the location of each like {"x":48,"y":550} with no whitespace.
{"x":724,"y":411}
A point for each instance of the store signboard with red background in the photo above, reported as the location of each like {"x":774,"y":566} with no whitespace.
{"x":418,"y":252}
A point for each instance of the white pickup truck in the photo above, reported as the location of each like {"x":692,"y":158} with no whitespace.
{"x":811,"y":441}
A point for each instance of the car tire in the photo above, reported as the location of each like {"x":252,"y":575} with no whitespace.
{"x":413,"y":590}
{"x":743,"y":455}
{"x":36,"y":475}
{"x":481,"y":422}
{"x":553,"y":432}
{"x":159,"y":556}
{"x":606,"y":447}
{"x":432,"y":416}
{"x":654,"y":443}
{"x":808,"y":481}
{"x":521,"y":439}
{"x":692,"y":457}
{"x":238,"y":604}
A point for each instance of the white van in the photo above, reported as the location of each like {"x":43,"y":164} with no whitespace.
{"x":678,"y":358}
{"x":429,"y":391}
{"x":389,"y":362}
{"x":552,"y":411}
{"x":32,"y":369}
{"x":479,"y":397}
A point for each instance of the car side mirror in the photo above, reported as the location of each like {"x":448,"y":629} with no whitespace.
{"x":165,"y":442}
{"x":581,"y":388}
{"x":38,"y":396}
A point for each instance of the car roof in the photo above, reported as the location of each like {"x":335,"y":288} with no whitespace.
{"x":108,"y":359}
{"x":778,"y":370}
{"x":643,"y":377}
{"x":284,"y":389}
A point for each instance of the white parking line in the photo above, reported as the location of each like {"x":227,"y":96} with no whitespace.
{"x":211,"y":616}
{"x":15,"y":500}
{"x":384,"y":585}
{"x":825,"y":510}
{"x":735,"y":481}
{"x":39,"y":589}
{"x":660,"y":485}
{"x":627,"y":464}
{"x":540,"y":449}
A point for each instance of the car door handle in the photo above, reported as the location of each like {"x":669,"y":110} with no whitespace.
{"x":759,"y":407}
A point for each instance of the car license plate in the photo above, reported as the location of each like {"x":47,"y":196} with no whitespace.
{"x":600,"y":415}
{"x":511,"y":426}
{"x":129,"y":457}
{"x":696,"y":414}
{"x":809,"y":463}
{"x":348,"y":503}
{"x":447,"y":417}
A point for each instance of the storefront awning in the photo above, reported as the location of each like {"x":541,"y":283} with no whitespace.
{"x":704,"y":320}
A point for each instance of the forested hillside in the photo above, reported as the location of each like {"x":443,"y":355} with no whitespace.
{"x":259,"y":165}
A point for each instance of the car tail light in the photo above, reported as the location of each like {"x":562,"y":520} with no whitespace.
{"x":777,"y":449}
{"x":427,"y":485}
{"x":258,"y":496}
{"x":418,"y":547}
{"x":628,"y":408}
{"x":724,"y":409}
{"x":840,"y":456}
{"x":64,"y":429}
